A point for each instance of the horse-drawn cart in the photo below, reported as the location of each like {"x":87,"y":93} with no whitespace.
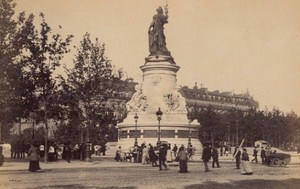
{"x":279,"y":159}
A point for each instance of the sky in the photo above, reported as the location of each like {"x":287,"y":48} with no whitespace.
{"x":225,"y":45}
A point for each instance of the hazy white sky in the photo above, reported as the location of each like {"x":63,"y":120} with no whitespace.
{"x":224,"y":44}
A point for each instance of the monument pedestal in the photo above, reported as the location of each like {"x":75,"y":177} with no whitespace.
{"x":158,"y":90}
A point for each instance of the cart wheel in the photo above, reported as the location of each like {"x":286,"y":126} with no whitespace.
{"x":283,"y":163}
{"x":275,"y":162}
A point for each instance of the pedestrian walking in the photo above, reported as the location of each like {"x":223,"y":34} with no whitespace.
{"x":118,"y":154}
{"x":246,"y":164}
{"x":263,"y":155}
{"x":33,"y":154}
{"x":42,"y":150}
{"x":190,"y":152}
{"x":145,"y":155}
{"x":182,"y":157}
{"x":174,"y":150}
{"x":221,"y":150}
{"x":237,"y":154}
{"x":226,"y":150}
{"x":162,"y":157}
{"x":268,"y":153}
{"x":206,"y":155}
{"x":152,"y":156}
{"x":68,"y":152}
{"x":255,"y":151}
{"x":169,"y":153}
{"x":215,"y":157}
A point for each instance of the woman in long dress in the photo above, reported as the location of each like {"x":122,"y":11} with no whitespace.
{"x":246,"y":164}
{"x":33,"y":154}
{"x":182,"y":157}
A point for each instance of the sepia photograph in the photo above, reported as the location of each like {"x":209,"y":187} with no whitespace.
{"x":154,"y":94}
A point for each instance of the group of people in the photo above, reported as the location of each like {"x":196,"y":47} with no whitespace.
{"x":18,"y":150}
{"x":148,"y":154}
{"x":243,"y":157}
{"x":240,"y":155}
{"x":36,"y":151}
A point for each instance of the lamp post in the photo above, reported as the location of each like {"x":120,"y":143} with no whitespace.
{"x":189,"y":141}
{"x":136,"y":117}
{"x":158,"y":114}
{"x":89,"y":117}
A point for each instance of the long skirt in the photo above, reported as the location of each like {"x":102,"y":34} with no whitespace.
{"x":34,"y":166}
{"x":183,"y":168}
{"x":246,"y":167}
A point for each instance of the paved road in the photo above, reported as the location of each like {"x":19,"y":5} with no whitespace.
{"x":105,"y":173}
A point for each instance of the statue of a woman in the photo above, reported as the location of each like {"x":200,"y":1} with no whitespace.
{"x":157,"y":39}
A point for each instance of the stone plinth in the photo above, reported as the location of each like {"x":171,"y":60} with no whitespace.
{"x":158,"y":90}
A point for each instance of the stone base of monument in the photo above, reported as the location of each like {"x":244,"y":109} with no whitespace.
{"x":171,"y":132}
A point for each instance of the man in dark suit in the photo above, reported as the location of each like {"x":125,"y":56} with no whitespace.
{"x":237,"y":154}
{"x":206,"y":155}
{"x":162,"y":157}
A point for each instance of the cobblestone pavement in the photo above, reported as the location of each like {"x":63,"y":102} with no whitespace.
{"x":105,"y":173}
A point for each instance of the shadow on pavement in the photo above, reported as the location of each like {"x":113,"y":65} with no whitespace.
{"x":250,"y":184}
{"x":76,"y":186}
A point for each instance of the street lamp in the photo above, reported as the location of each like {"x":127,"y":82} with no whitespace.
{"x":189,"y":141}
{"x":136,"y":117}
{"x":158,"y":114}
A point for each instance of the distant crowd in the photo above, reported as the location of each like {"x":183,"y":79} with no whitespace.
{"x":19,"y":150}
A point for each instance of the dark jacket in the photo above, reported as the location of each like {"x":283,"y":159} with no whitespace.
{"x":214,"y":153}
{"x":263,"y":153}
{"x":162,"y":153}
{"x":245,"y":156}
{"x":206,"y":155}
{"x":238,"y":155}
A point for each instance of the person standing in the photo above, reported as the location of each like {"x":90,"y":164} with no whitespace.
{"x":206,"y":155}
{"x":68,"y":153}
{"x":42,"y":150}
{"x":215,"y":156}
{"x":221,"y":150}
{"x":162,"y":157}
{"x":175,"y":148}
{"x":237,"y":154}
{"x":246,"y":164}
{"x":12,"y":150}
{"x":103,"y":148}
{"x":182,"y":158}
{"x":33,"y":154}
{"x":118,"y":156}
{"x":169,"y":153}
{"x":263,"y":155}
{"x":152,"y":156}
{"x":255,"y":155}
{"x":190,"y":152}
{"x":145,"y":155}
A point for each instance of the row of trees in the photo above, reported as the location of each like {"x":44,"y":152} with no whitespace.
{"x":30,"y":89}
{"x":278,"y":128}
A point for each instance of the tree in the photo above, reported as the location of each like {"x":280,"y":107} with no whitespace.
{"x":211,"y":129}
{"x":7,"y":54}
{"x":87,"y":90}
{"x":29,"y":56}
